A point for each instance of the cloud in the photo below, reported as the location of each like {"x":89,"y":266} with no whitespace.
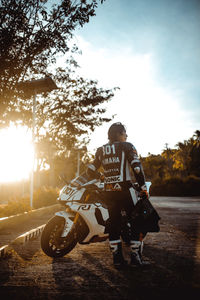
{"x":168,"y":30}
{"x":153,"y":114}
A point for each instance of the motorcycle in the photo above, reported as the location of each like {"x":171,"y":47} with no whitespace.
{"x":84,"y":220}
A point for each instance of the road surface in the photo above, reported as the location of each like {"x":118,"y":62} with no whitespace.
{"x":87,"y":272}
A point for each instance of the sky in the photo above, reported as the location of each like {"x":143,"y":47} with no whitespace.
{"x":16,"y":154}
{"x":150,"y":49}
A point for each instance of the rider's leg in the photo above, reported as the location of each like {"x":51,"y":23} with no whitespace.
{"x":116,"y":249}
{"x":136,"y":246}
{"x":114,"y":228}
{"x":136,"y":238}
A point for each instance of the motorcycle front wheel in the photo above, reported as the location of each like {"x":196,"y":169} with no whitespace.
{"x":52,"y":243}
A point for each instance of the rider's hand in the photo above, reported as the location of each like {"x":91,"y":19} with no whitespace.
{"x":143,"y":195}
{"x":102,"y":177}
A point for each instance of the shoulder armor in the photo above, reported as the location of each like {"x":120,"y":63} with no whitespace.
{"x":99,"y":152}
{"x":129,"y":147}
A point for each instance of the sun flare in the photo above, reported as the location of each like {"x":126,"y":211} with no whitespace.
{"x":16,"y":154}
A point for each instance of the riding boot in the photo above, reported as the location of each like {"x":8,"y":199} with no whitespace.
{"x":136,"y":253}
{"x":116,"y":249}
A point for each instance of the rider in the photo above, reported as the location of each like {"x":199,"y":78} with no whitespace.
{"x":116,"y":157}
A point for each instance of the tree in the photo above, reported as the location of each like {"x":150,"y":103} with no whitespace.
{"x":196,"y":138}
{"x":68,"y":115}
{"x":154,"y":166}
{"x":195,"y":154}
{"x":168,"y":155}
{"x":172,"y":163}
{"x":32,"y":33}
{"x":182,"y":158}
{"x":75,"y":109}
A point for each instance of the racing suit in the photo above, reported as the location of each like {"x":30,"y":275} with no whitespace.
{"x":116,"y":159}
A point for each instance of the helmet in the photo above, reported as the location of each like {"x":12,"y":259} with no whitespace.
{"x":114,"y":130}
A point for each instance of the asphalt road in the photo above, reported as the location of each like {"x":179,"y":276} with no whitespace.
{"x":87,"y":272}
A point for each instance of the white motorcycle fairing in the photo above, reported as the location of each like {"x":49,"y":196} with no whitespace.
{"x":68,"y":222}
{"x":84,"y":219}
{"x":87,"y":212}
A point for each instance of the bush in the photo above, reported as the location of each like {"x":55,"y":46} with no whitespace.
{"x":44,"y":197}
{"x":15,"y":207}
{"x":41,"y":197}
{"x":175,"y":186}
{"x":192,"y":186}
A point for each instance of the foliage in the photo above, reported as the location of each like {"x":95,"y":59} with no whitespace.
{"x":154,"y":166}
{"x":66,"y":117}
{"x":176,"y":171}
{"x":176,"y":186}
{"x":15,"y":206}
{"x":42,"y":197}
{"x":71,"y":112}
{"x":32,"y":34}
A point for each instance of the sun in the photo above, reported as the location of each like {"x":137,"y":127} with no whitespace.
{"x":16,"y":154}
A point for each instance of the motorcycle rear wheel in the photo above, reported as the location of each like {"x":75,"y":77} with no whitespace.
{"x":52,"y":243}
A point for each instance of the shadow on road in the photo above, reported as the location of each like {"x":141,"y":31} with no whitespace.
{"x":88,"y":274}
{"x":5,"y":271}
{"x":169,"y":277}
{"x":79,"y":281}
{"x":28,"y":250}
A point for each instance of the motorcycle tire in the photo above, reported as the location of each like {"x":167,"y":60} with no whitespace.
{"x":52,"y":243}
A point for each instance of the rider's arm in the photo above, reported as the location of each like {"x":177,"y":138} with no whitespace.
{"x":93,"y":168}
{"x":136,"y":165}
